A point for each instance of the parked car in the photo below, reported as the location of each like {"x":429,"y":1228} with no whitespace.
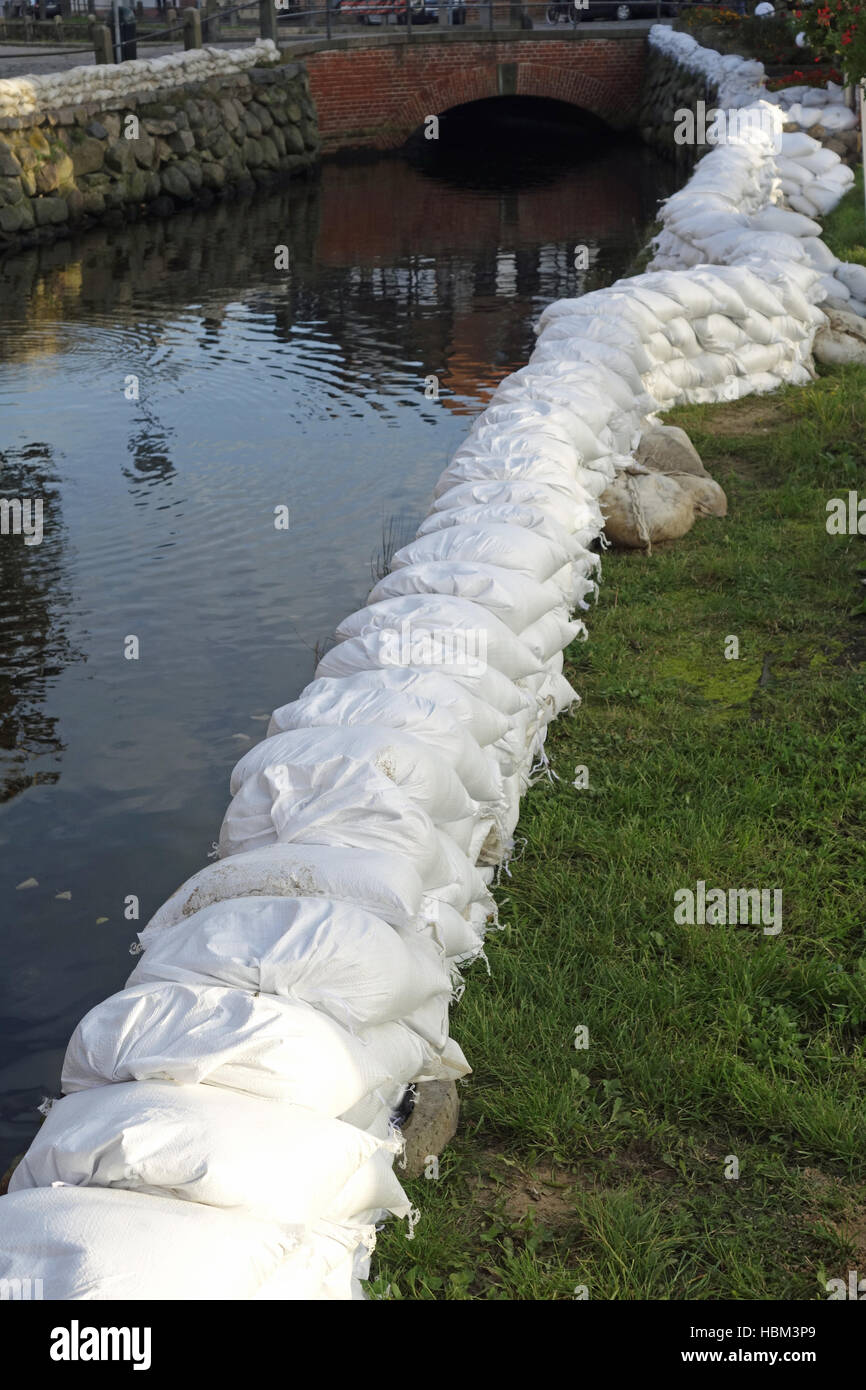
{"x":423,"y":11}
{"x":27,"y":9}
{"x":613,"y":9}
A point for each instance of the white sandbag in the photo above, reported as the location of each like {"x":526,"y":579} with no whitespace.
{"x":506,"y":514}
{"x":820,"y":255}
{"x":486,"y":635}
{"x":538,"y":417}
{"x":501,"y":443}
{"x":796,"y":145}
{"x":610,"y":330}
{"x":90,"y":1243}
{"x":552,"y":634}
{"x":326,"y":1267}
{"x":317,"y":951}
{"x":591,"y":350}
{"x":599,"y":412}
{"x":434,"y":724}
{"x":760,"y":357}
{"x":751,"y":288}
{"x":566,"y":503}
{"x":258,"y":1044}
{"x":483,"y":681}
{"x":688,"y":292}
{"x":506,"y":546}
{"x":516,"y":600}
{"x":336,"y":801}
{"x":824,"y":196}
{"x":265,"y":1158}
{"x":819,"y":161}
{"x":837,"y":118}
{"x":717,"y":333}
{"x":773,"y":219}
{"x":853,"y":276}
{"x":387,"y":885}
{"x":402,"y":758}
{"x":484,"y":723}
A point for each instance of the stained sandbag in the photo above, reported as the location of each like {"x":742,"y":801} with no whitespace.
{"x":645,"y":508}
{"x":387,"y":885}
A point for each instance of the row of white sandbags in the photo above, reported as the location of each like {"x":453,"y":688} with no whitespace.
{"x":732,"y":207}
{"x":301,"y":982}
{"x":111,"y":84}
{"x":737,"y":80}
{"x":309,"y":970}
{"x":808,"y":107}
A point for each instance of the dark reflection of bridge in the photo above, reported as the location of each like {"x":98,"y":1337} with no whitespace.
{"x":33,"y":639}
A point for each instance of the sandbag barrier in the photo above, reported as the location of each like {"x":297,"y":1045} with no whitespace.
{"x":110,"y":85}
{"x":226,"y":1129}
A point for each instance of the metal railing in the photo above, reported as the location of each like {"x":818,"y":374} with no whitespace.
{"x":204,"y":23}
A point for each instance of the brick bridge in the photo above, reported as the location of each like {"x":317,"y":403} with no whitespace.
{"x":374,"y":90}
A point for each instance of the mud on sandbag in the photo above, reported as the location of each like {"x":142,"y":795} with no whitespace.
{"x":661,"y":497}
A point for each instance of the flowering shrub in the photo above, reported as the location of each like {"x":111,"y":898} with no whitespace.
{"x":835,"y":29}
{"x":704,"y":16}
{"x":812,"y":77}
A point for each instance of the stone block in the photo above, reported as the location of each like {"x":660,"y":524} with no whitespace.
{"x":430,"y":1127}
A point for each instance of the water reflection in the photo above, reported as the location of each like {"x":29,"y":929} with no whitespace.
{"x":256,"y":388}
{"x":35,"y":643}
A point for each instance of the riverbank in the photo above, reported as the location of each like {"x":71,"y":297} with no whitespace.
{"x":607,"y":1171}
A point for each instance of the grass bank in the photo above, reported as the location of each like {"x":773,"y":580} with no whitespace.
{"x":608,"y":1168}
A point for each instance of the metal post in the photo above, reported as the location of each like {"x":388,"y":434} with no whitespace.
{"x":328,"y":18}
{"x":408,"y":20}
{"x":490,"y":14}
{"x":862,"y":121}
{"x":267,"y":20}
{"x":115,"y":27}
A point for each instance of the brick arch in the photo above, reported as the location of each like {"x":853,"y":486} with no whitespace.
{"x":375,"y":93}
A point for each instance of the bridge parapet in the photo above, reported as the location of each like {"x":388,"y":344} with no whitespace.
{"x":374,"y":90}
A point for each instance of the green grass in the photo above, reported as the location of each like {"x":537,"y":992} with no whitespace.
{"x":604,"y":1169}
{"x":845,"y":227}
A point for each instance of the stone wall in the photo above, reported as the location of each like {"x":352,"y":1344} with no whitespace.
{"x":669,"y":86}
{"x":154,"y":151}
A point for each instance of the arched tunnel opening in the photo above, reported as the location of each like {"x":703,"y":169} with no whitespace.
{"x":503,"y":138}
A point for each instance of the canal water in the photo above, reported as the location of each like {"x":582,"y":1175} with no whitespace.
{"x":166,"y":390}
